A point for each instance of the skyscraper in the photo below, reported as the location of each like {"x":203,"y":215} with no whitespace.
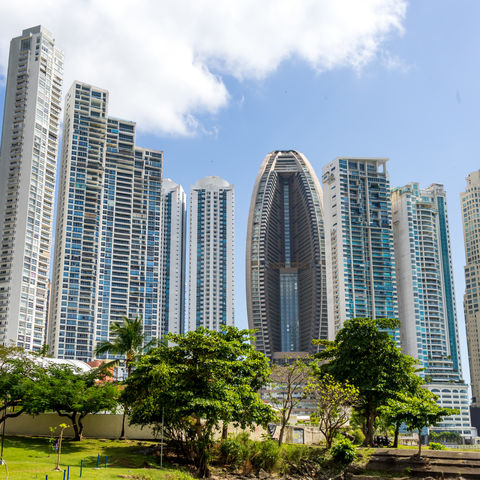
{"x":172,"y":258}
{"x":470,"y":200}
{"x":359,"y":241}
{"x":212,"y":247}
{"x":28,"y":162}
{"x":108,"y":228}
{"x":285,"y":257}
{"x":426,"y":296}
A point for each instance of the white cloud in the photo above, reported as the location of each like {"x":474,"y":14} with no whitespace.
{"x":162,"y":60}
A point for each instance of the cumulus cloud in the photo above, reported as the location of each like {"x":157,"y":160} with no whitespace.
{"x":163,"y":61}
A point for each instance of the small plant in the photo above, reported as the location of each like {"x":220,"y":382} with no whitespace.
{"x":232,"y":452}
{"x":52,"y":440}
{"x":343,"y":451}
{"x":358,"y":436}
{"x":62,"y":426}
{"x":436,"y":446}
{"x":266,"y":455}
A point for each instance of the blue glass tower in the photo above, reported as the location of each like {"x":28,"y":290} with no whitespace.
{"x":359,"y":241}
{"x":108,"y":228}
{"x":426,"y":296}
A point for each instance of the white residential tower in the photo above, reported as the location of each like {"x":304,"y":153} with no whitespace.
{"x":172,"y":258}
{"x":28,"y":164}
{"x":211,"y":272}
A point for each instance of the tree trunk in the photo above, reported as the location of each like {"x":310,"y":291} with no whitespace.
{"x":224,"y":430}
{"x":397,"y":430}
{"x":370,"y":429}
{"x":76,"y":430}
{"x":329,"y":440}
{"x":280,"y":434}
{"x":80,"y":426}
{"x":203,"y":470}
{"x":122,"y":433}
{"x":57,"y":468}
{"x":419,"y":454}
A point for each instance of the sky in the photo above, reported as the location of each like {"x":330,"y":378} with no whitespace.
{"x":218,"y":85}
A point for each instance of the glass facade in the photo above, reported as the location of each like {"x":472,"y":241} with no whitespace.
{"x":28,"y":166}
{"x":211,"y":284}
{"x":360,"y":258}
{"x":285,"y":261}
{"x":108,"y":228}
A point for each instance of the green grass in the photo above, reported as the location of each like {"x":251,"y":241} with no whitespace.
{"x":29,"y":458}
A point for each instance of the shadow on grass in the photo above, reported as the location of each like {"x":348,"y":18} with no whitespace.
{"x":41,"y":444}
{"x":123,"y":456}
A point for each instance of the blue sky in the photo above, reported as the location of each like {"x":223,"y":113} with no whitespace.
{"x":412,"y":97}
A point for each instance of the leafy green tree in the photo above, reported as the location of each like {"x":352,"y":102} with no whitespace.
{"x":364,"y":355}
{"x":128,"y":341}
{"x":419,"y":411}
{"x":334,"y":401}
{"x":18,"y":374}
{"x":287,"y":382}
{"x":202,"y":379}
{"x":74,"y":395}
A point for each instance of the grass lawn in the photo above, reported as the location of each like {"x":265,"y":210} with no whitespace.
{"x":33,"y":458}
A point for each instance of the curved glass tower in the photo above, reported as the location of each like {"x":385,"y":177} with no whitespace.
{"x":285,"y":261}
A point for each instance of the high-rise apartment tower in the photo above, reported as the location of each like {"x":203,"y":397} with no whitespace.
{"x":28,"y":163}
{"x":426,"y":296}
{"x":172,"y":258}
{"x":107,"y":250}
{"x":211,"y":272}
{"x":359,"y":241}
{"x":285,"y":257}
{"x":470,"y":200}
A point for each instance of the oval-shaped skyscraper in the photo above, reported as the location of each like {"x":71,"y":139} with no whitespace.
{"x":285,"y":261}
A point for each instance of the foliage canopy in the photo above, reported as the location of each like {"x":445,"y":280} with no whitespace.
{"x":204,"y":378}
{"x":364,"y":355}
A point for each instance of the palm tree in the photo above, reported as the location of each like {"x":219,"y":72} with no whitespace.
{"x":127,"y":341}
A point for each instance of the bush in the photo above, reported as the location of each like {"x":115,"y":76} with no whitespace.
{"x":241,"y":452}
{"x":436,"y":446}
{"x":358,"y":436}
{"x":265,"y":455}
{"x":232,"y":452}
{"x":293,"y":454}
{"x":343,"y":451}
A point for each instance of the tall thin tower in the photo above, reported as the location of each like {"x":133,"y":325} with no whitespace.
{"x":28,"y":163}
{"x":470,"y":200}
{"x":211,"y":272}
{"x":359,"y":241}
{"x":172,"y":258}
{"x":285,"y":257}
{"x":426,"y":296}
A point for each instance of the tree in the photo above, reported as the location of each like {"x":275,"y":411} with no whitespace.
{"x":18,"y":374}
{"x":288,"y":382}
{"x":202,"y":379}
{"x":334,"y":401}
{"x":128,"y":341}
{"x":364,"y":355}
{"x":419,"y":411}
{"x":74,"y":395}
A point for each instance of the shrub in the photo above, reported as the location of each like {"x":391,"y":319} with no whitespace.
{"x":343,"y":451}
{"x":265,"y":455}
{"x":241,"y":452}
{"x":232,"y":452}
{"x":293,"y":454}
{"x":436,"y":446}
{"x":358,"y":436}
